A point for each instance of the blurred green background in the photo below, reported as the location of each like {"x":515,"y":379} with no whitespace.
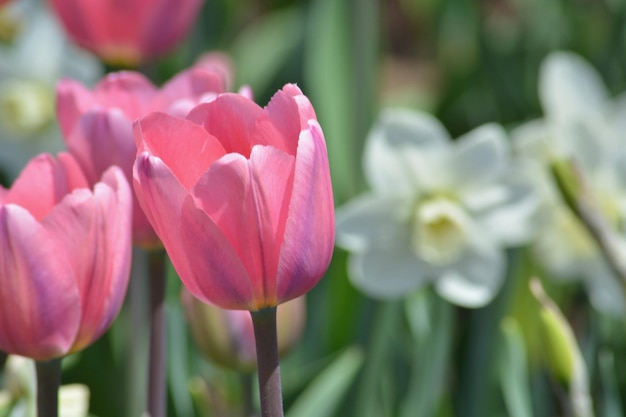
{"x":466,"y":62}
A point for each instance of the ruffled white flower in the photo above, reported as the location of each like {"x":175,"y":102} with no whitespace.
{"x":30,"y":66}
{"x":583,"y":124}
{"x":439,"y":211}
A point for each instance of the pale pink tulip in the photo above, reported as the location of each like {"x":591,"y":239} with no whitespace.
{"x":240,"y":196}
{"x":65,"y":254}
{"x":97,"y":125}
{"x":129,"y":32}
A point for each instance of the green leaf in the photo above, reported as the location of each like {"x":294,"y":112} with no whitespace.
{"x":328,"y":73}
{"x":433,"y":335}
{"x":513,"y":370}
{"x":265,"y":47}
{"x":324,"y":394}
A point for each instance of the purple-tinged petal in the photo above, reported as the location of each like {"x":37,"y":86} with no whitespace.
{"x":248,"y":200}
{"x":204,"y":259}
{"x":39,"y":300}
{"x":310,"y":231}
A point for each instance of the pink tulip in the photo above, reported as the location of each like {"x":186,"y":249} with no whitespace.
{"x":240,"y":196}
{"x":129,"y":32}
{"x":97,"y":125}
{"x":64,"y":257}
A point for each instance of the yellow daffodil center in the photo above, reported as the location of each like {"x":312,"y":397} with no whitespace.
{"x":440,"y":232}
{"x":26,"y":107}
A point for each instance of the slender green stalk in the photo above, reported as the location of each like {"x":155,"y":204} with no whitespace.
{"x":48,"y":383}
{"x":157,"y":404}
{"x":264,"y":322}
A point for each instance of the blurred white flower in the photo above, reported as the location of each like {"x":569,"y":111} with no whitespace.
{"x":30,"y":66}
{"x":582,"y":124}
{"x":18,"y":399}
{"x":439,"y":211}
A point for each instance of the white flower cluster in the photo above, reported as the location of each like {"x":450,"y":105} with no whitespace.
{"x":584,"y":125}
{"x":443,"y":212}
{"x":440,"y":211}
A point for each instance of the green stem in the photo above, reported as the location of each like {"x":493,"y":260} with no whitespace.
{"x":157,"y":404}
{"x":247,"y":397}
{"x":48,"y":383}
{"x":264,"y":322}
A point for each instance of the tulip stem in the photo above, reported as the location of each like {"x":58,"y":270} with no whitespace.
{"x":48,"y":383}
{"x":157,"y":403}
{"x":264,"y":322}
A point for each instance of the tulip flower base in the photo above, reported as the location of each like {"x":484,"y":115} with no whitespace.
{"x":48,"y":383}
{"x":264,"y":322}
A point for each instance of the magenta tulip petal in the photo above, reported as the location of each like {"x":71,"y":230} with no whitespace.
{"x":248,"y":201}
{"x":289,"y":110}
{"x":128,"y":91}
{"x":310,"y":230}
{"x":187,"y":160}
{"x":39,"y":302}
{"x":191,"y":84}
{"x":43,"y":183}
{"x":101,"y":234}
{"x":203,"y":258}
{"x":102,"y":139}
{"x":127,"y":32}
{"x":231,"y":118}
{"x":72,"y":99}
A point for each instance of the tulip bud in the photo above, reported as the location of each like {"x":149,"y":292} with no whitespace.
{"x":564,"y":358}
{"x":226,"y":337}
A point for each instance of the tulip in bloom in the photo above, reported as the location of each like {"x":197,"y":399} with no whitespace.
{"x":439,"y":211}
{"x":64,"y":257}
{"x":240,"y":196}
{"x":127,"y":33}
{"x":97,"y":124}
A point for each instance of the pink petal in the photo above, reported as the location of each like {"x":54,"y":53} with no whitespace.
{"x":203,"y":258}
{"x":310,"y":230}
{"x":102,"y":138}
{"x":129,"y":91}
{"x":289,"y":111}
{"x":232,"y":119}
{"x":191,"y":85}
{"x":39,"y":300}
{"x":248,"y":200}
{"x":72,"y":100}
{"x":43,"y":183}
{"x":95,"y":229}
{"x":162,"y":134}
{"x":168,"y":22}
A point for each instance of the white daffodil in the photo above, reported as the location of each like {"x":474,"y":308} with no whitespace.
{"x":439,"y":211}
{"x":30,"y":66}
{"x":582,"y":124}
